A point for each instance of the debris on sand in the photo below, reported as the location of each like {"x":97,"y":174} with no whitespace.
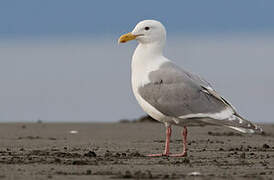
{"x":266,"y":146}
{"x":242,"y":156}
{"x":73,"y":132}
{"x":90,"y":154}
{"x":29,"y":137}
{"x":194,"y":173}
{"x":136,"y":175}
{"x":108,"y":153}
{"x":88,"y":172}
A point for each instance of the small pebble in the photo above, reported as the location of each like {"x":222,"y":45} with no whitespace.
{"x":73,"y":132}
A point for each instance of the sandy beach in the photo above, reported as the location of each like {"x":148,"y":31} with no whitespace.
{"x":117,"y":151}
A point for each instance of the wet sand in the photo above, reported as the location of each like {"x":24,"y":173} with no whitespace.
{"x":116,"y":151}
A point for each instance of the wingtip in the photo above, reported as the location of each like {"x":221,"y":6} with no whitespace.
{"x":256,"y":130}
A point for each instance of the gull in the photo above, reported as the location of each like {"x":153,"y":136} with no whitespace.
{"x":173,"y":95}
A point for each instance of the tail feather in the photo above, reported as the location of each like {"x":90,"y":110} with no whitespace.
{"x":243,"y":130}
{"x":240,"y":124}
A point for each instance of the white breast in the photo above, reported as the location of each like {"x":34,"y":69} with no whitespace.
{"x":141,"y":67}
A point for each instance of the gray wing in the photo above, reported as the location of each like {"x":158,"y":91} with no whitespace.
{"x":176,"y":92}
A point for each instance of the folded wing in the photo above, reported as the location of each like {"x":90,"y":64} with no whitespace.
{"x":182,"y":95}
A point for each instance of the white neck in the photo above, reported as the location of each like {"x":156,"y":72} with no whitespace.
{"x":146,"y":53}
{"x":146,"y":58}
{"x":151,"y":48}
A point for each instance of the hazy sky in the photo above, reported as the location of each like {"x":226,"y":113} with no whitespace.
{"x":66,"y":17}
{"x":59,"y":60}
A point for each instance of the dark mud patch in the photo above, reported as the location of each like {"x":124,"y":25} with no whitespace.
{"x":230,"y":133}
{"x":146,"y":174}
{"x":36,"y":137}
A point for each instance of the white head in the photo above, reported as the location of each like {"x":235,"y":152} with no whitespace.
{"x":146,"y":32}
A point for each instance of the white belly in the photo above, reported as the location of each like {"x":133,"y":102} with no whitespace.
{"x":140,"y":78}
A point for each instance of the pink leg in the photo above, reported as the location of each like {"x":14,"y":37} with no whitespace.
{"x":166,"y":152}
{"x":184,"y":153}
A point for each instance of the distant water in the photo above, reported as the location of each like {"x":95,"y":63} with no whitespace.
{"x":88,"y":79}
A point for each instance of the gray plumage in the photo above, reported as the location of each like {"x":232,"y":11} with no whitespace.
{"x":175,"y":92}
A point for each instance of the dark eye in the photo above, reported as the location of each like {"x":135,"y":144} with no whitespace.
{"x":147,"y":28}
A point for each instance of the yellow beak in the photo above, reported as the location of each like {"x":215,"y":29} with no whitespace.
{"x":126,"y":37}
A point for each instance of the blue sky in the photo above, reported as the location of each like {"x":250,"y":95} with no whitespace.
{"x":80,"y":17}
{"x":60,"y":61}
